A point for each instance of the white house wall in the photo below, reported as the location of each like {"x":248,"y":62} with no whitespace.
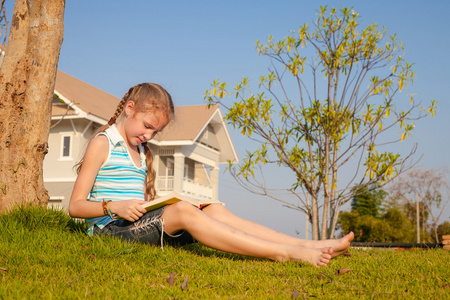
{"x":59,"y":174}
{"x":202,"y":154}
{"x":59,"y":193}
{"x":209,"y":138}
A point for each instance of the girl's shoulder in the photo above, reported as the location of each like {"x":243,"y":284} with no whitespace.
{"x":100,"y":140}
{"x":98,"y":147}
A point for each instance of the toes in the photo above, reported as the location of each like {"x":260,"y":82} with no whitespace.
{"x":326,"y":260}
{"x":350,"y":236}
{"x":327,"y":250}
{"x":321,"y":264}
{"x":323,"y":261}
{"x":325,"y":257}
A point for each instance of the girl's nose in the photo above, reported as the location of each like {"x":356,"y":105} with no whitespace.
{"x":149,"y":134}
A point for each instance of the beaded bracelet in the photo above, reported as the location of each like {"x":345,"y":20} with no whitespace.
{"x":106,"y":210}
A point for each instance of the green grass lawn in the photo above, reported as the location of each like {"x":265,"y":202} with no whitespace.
{"x":45,"y":255}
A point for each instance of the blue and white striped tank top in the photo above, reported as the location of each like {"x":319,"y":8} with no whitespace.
{"x":118,"y":178}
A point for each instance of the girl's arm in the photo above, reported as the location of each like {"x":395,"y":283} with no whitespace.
{"x":79,"y":207}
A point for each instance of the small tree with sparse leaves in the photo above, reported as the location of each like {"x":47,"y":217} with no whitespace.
{"x":339,"y":115}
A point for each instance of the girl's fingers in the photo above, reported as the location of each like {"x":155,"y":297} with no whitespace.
{"x":138,"y":212}
{"x":133,"y":217}
{"x":130,"y":210}
{"x":140,"y":208}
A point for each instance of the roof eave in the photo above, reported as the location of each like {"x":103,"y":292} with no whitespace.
{"x":171,"y":143}
{"x":232,"y":154}
{"x":79,"y":113}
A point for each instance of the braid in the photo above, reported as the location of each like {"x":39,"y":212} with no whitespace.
{"x":119,"y":110}
{"x":113,"y":119}
{"x":151,"y":174}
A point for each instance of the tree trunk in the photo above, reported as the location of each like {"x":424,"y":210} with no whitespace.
{"x":334,"y":207}
{"x":314,"y":217}
{"x":436,"y":236}
{"x":27,"y":81}
{"x":334,"y":217}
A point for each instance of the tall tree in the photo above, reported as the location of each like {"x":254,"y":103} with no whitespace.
{"x":315,"y":125}
{"x":372,"y":219}
{"x":430,"y":189}
{"x":443,"y":229}
{"x":389,"y":227}
{"x":27,"y":80}
{"x":369,"y":200}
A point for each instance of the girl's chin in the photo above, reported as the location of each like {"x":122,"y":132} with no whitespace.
{"x":141,"y":141}
{"x":134,"y":142}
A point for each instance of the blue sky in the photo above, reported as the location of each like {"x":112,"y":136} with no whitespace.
{"x":185,"y":45}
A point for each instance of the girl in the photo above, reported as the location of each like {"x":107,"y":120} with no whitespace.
{"x":117,"y":166}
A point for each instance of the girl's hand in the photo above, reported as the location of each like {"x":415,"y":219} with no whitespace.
{"x":130,"y":210}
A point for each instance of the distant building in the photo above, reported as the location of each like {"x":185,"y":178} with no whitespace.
{"x":187,"y":154}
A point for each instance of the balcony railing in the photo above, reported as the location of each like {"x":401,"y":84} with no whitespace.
{"x":164,"y":184}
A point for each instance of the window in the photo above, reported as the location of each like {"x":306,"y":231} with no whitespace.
{"x":66,"y":147}
{"x":170,"y":167}
{"x":186,"y":171}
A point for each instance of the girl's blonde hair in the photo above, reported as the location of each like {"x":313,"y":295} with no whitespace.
{"x":146,"y":97}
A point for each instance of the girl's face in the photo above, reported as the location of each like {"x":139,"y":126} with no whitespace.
{"x":141,"y":127}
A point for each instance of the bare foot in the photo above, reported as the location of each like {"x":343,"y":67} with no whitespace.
{"x":339,"y":245}
{"x":316,"y":257}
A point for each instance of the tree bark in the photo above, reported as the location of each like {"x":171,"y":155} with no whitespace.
{"x":315,"y":217}
{"x":27,"y":81}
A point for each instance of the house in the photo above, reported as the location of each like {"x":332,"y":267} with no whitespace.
{"x":187,"y":154}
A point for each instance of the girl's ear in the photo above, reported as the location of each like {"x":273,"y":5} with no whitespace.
{"x":129,"y":108}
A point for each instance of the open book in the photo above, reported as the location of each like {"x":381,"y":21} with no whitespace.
{"x":176,"y":197}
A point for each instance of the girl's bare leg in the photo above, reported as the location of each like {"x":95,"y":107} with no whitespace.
{"x":221,"y":236}
{"x":222,"y":214}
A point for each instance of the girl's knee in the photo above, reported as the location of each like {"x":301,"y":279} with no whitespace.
{"x":181,"y":208}
{"x":215,"y":209}
{"x":179,"y":215}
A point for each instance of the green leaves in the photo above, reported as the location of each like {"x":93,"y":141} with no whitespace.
{"x":432,"y":109}
{"x":381,"y":166}
{"x":314,"y":125}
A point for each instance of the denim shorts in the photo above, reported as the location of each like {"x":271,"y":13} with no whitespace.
{"x":148,"y":229}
